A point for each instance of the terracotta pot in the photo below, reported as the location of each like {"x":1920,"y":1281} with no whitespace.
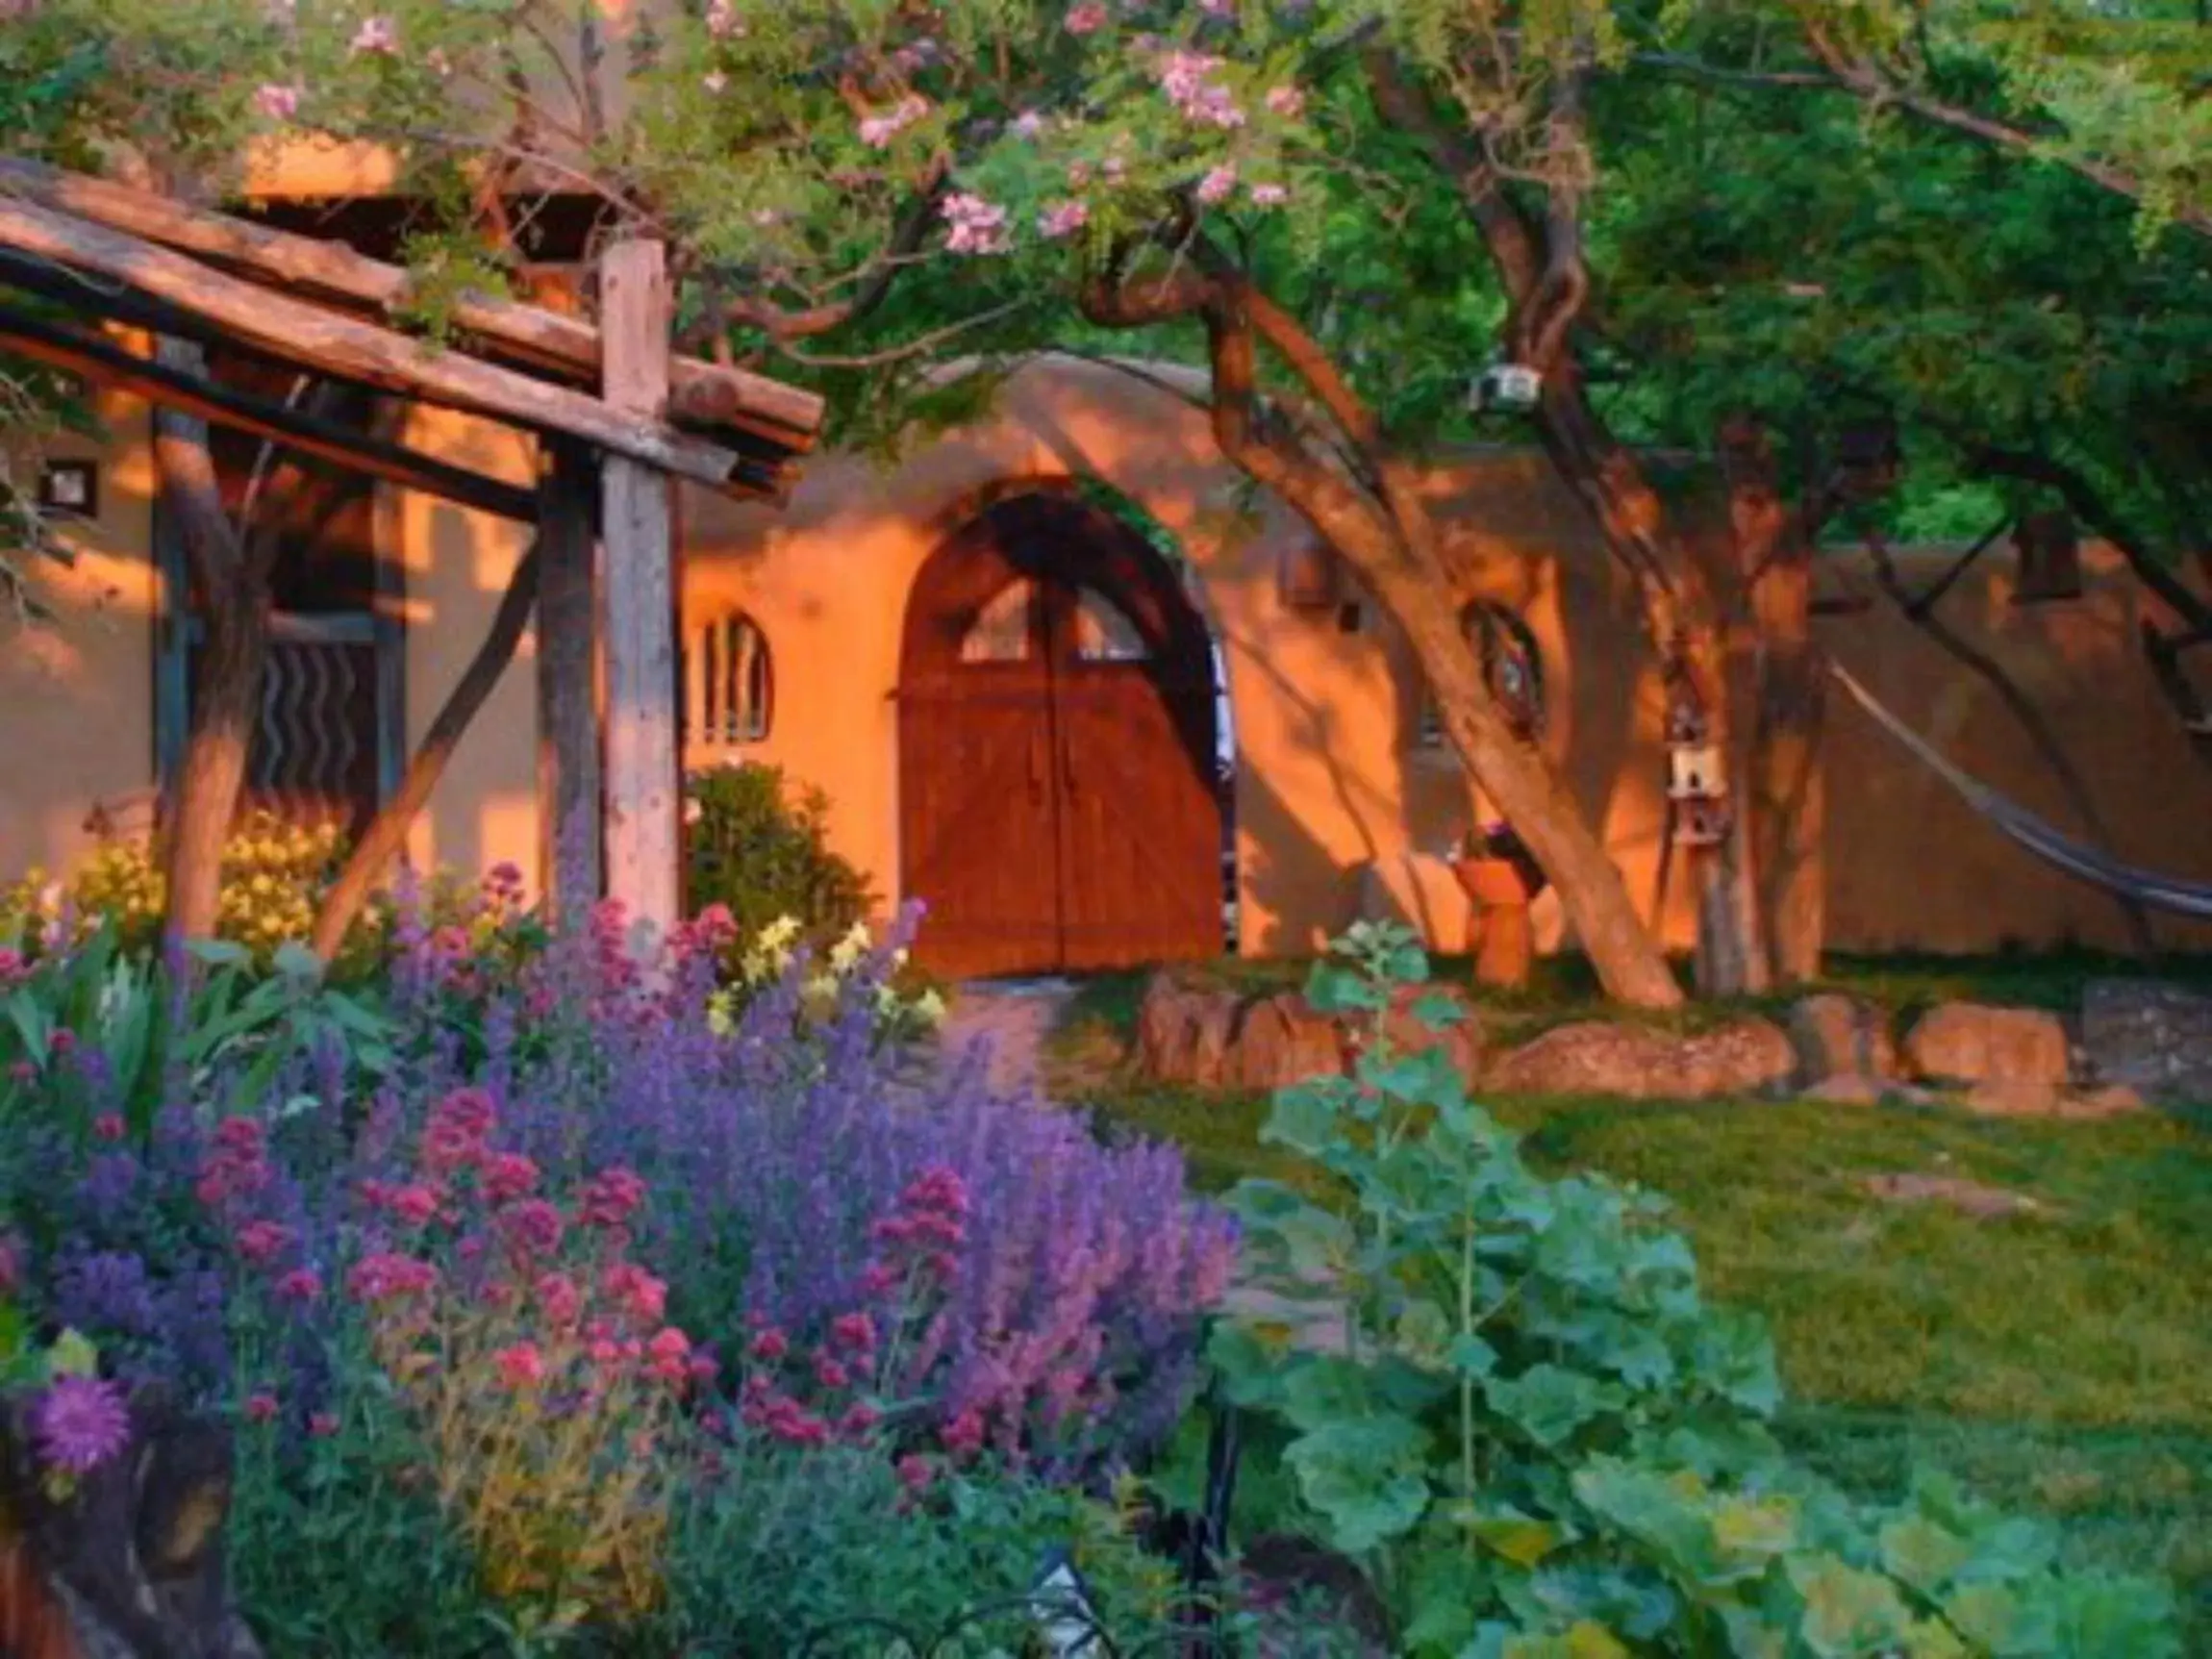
{"x":1504,"y":948}
{"x":1493,"y":882}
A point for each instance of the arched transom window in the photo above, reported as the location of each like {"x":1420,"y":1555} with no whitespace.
{"x":729,"y":681}
{"x":1512,"y":667}
{"x":1001,"y":630}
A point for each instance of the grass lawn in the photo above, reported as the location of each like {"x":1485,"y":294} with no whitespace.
{"x":2059,"y":1362}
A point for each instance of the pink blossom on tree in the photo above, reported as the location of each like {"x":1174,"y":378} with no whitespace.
{"x":1215,"y":188}
{"x":1062,"y":219}
{"x":1187,"y":79}
{"x":978,"y":226}
{"x":1088,"y":18}
{"x":878,"y":131}
{"x":277,"y":103}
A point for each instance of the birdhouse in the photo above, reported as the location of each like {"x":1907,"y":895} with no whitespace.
{"x":2049,"y":552}
{"x":1695,"y":772}
{"x":1308,"y":578}
{"x":1702,"y":823}
{"x":1685,"y":719}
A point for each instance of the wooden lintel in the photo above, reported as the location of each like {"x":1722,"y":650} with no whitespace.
{"x":329,"y":343}
{"x":108,"y":363}
{"x":700,"y":392}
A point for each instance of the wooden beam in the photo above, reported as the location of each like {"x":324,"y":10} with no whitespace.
{"x":330,"y":343}
{"x":642,"y":795}
{"x":702,"y":393}
{"x":570,"y":856}
{"x":104,"y":361}
{"x":768,"y":473}
{"x":386,"y":833}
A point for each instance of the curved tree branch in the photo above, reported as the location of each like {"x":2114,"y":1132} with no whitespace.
{"x":1867,"y":81}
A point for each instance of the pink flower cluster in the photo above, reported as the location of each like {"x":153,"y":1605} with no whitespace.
{"x":378,"y":34}
{"x":237,"y":1167}
{"x":1086,"y":17}
{"x":978,"y":226}
{"x":927,"y":1230}
{"x":279,"y":103}
{"x":581,"y":1316}
{"x":1062,"y":219}
{"x":879,"y":130}
{"x":723,"y":22}
{"x":12,"y":968}
{"x":390,"y":1276}
{"x":1186,"y":78}
{"x":805,"y":1401}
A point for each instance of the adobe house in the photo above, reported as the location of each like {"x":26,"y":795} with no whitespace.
{"x":1015,"y":660}
{"x":1022,"y":662}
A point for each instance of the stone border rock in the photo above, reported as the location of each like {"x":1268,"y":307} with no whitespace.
{"x":1219,"y":1037}
{"x":1993,"y":1060}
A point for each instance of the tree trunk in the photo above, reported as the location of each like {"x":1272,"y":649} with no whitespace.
{"x":386,"y":832}
{"x":1777,"y":838}
{"x":1528,"y":792}
{"x":1392,"y":546}
{"x":226,"y":690}
{"x":1541,"y":265}
{"x":1789,"y":774}
{"x":1681,"y":588}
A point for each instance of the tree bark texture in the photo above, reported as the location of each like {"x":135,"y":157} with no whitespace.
{"x":1682,"y":593}
{"x":226,"y":688}
{"x":1387,"y":535}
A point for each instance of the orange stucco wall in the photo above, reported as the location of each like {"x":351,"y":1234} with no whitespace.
{"x":1333,"y":791}
{"x":76,"y":703}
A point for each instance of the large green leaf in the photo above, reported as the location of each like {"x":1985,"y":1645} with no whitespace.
{"x":1849,"y":1614}
{"x":1365,"y":1477}
{"x":1548,"y":1403}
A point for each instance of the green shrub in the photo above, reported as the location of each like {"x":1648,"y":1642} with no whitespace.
{"x":830,"y":1552}
{"x":1543,"y":1443}
{"x":759,"y":845}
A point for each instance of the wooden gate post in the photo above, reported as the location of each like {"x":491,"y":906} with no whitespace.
{"x":643,"y":791}
{"x":569,"y":859}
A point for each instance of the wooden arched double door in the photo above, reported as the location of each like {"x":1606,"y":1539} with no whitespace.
{"x":1060,"y":798}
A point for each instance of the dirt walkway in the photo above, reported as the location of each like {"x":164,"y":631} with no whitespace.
{"x":1013,"y":1018}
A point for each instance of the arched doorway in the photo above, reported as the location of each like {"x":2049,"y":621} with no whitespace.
{"x":1059,"y":802}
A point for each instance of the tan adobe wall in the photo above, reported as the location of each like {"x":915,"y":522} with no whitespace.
{"x":76,"y":700}
{"x":1329,"y":778}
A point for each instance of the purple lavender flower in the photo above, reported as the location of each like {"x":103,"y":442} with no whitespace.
{"x":79,"y":1424}
{"x":106,"y":1291}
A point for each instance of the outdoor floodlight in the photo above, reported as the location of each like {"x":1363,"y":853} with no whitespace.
{"x":1511,"y":387}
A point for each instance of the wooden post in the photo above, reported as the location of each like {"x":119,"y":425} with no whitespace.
{"x":643,"y":795}
{"x":570,"y":853}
